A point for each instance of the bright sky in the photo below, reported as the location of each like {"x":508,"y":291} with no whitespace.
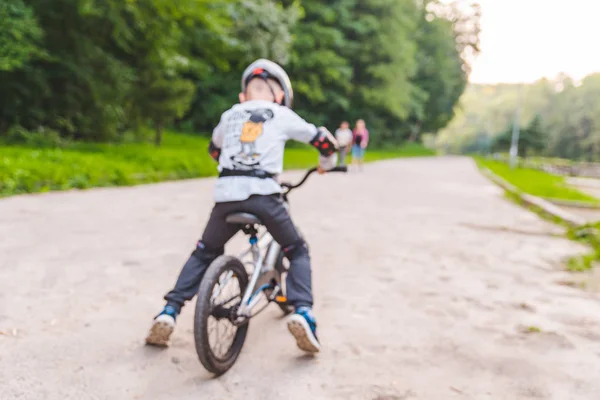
{"x":525,"y":40}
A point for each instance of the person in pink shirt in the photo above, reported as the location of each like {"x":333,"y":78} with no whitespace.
{"x":360,"y":140}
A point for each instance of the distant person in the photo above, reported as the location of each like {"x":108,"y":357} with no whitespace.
{"x":360,"y":141}
{"x":344,"y":138}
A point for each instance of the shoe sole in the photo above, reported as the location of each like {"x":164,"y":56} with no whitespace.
{"x":299,"y":328}
{"x":160,"y":333}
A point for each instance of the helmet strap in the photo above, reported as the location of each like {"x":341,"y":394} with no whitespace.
{"x":264,"y":77}
{"x":270,"y":88}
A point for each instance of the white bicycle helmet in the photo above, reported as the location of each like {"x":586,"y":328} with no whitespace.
{"x":266,"y":69}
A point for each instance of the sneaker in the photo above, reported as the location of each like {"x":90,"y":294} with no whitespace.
{"x":162,"y":327}
{"x":303,"y":326}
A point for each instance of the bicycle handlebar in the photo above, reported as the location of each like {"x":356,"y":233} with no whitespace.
{"x":311,"y":171}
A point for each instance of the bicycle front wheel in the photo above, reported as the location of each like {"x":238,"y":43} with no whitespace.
{"x":218,"y":340}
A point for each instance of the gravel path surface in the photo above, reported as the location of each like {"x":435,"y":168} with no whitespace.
{"x":429,"y":285}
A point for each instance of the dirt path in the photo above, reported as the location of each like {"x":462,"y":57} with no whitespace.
{"x":429,"y":286}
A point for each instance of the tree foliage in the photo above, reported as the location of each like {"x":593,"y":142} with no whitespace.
{"x":19,"y":35}
{"x":559,"y":118}
{"x":531,"y":138}
{"x":95,"y":69}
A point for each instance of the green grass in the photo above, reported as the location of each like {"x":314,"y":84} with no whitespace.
{"x":534,"y":329}
{"x":581,"y":263}
{"x":537,"y":183}
{"x":588,"y":234}
{"x":29,"y":170}
{"x":407,"y":150}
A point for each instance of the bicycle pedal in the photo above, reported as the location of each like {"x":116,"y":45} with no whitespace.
{"x":280,"y":299}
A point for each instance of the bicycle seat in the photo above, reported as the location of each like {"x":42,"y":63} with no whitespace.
{"x":243,"y":219}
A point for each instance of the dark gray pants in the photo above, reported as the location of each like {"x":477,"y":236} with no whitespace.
{"x":271,"y":211}
{"x":342,"y":156}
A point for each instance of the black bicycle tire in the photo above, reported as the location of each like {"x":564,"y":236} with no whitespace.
{"x":202,"y":312}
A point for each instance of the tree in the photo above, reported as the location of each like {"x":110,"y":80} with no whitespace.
{"x":95,"y":69}
{"x":74,"y":88}
{"x":440,"y":78}
{"x":20,"y":35}
{"x":448,"y":41}
{"x":319,"y":65}
{"x":101,"y":56}
{"x":503,"y":141}
{"x":385,"y":59}
{"x":253,"y":29}
{"x":532,"y":138}
{"x":165,"y":100}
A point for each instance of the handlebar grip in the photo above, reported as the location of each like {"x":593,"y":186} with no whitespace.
{"x":342,"y":168}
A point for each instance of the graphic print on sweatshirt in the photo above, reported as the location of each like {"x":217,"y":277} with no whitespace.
{"x":252,"y":129}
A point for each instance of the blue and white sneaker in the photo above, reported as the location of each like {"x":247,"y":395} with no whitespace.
{"x":162,"y":327}
{"x":303,"y":326}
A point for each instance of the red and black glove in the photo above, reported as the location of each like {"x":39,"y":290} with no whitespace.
{"x":325,"y":142}
{"x":214,"y":151}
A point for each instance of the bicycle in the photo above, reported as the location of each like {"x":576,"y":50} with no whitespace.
{"x":264,"y":280}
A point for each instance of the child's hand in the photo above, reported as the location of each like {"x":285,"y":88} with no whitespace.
{"x":326,"y":163}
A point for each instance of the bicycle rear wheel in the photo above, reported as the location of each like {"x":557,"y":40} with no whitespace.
{"x":218,"y":340}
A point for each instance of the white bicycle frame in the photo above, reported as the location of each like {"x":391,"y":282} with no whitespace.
{"x":264,"y":252}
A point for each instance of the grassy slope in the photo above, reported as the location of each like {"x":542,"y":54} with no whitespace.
{"x":537,"y":183}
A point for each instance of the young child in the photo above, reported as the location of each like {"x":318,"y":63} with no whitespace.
{"x":248,"y":144}
{"x":360,"y":142}
{"x":343,"y":136}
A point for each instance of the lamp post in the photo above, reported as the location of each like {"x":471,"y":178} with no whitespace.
{"x":514,"y":145}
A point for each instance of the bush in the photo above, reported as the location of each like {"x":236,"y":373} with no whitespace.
{"x":44,"y":137}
